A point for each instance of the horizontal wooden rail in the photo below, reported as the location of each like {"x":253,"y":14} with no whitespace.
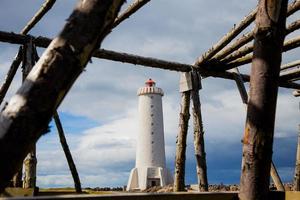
{"x":135,"y":59}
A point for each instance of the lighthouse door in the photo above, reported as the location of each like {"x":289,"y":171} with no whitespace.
{"x":153,"y":182}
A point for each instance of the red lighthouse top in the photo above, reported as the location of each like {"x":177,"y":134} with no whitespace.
{"x":150,"y":82}
{"x":150,"y":88}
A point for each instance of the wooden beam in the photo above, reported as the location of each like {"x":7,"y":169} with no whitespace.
{"x":296,"y":93}
{"x":259,"y":128}
{"x":276,"y":178}
{"x":248,"y":37}
{"x":135,"y":59}
{"x":64,"y":144}
{"x":199,"y":134}
{"x":38,"y":16}
{"x":28,"y":113}
{"x":290,"y":74}
{"x":288,"y":45}
{"x":132,"y":8}
{"x":293,"y":7}
{"x":30,"y":161}
{"x":184,"y":116}
{"x":17,"y":60}
{"x":244,"y":96}
{"x":290,"y":65}
{"x":227,"y":38}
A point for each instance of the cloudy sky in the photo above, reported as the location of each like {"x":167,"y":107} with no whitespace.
{"x":99,"y":114}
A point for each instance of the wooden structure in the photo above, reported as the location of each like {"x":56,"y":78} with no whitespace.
{"x":30,"y":110}
{"x":274,"y":195}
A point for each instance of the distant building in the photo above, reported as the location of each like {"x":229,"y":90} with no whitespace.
{"x":150,"y":167}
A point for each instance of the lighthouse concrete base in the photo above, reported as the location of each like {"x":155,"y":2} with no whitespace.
{"x":142,"y":178}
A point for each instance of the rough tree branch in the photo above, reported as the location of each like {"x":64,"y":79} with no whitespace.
{"x":28,"y":113}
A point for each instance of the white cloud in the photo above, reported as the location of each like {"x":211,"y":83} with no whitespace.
{"x":55,"y":181}
{"x":109,"y":148}
{"x":109,"y":144}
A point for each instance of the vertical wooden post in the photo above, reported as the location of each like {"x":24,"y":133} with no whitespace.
{"x":244,"y":95}
{"x":297,"y":167}
{"x":30,"y":169}
{"x":179,"y":184}
{"x":17,"y":179}
{"x":30,"y":161}
{"x":259,"y":129}
{"x":67,"y":152}
{"x":199,"y":135}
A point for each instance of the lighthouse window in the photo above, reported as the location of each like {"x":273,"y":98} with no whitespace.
{"x":151,"y":106}
{"x":152,"y":142}
{"x":152,"y":132}
{"x":151,"y":97}
{"x":152,"y":124}
{"x":152,"y":115}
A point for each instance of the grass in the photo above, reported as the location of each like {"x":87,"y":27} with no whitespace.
{"x":64,"y":191}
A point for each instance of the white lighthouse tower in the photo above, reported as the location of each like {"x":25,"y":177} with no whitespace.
{"x":150,"y":167}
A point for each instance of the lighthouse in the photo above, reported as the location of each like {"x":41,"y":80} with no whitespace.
{"x":150,"y":166}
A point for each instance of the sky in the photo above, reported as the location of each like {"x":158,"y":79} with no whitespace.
{"x":99,"y":114}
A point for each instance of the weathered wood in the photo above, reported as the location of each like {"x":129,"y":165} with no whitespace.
{"x":30,"y":161}
{"x":179,"y":183}
{"x":259,"y":128}
{"x":274,"y":195}
{"x":30,"y":169}
{"x":17,"y":61}
{"x":132,"y":8}
{"x":137,"y":60}
{"x":296,"y":93}
{"x":240,"y":85}
{"x":199,"y":135}
{"x":67,"y":152}
{"x":290,"y":74}
{"x":227,"y":38}
{"x":28,"y":59}
{"x":17,"y":179}
{"x":48,"y":4}
{"x":293,"y":27}
{"x":28,"y":113}
{"x":276,"y":179}
{"x":174,"y":66}
{"x":288,"y":45}
{"x":10,"y":75}
{"x":38,"y":16}
{"x":297,"y":167}
{"x":292,"y":8}
{"x":248,"y":37}
{"x":290,"y":65}
{"x":244,"y":95}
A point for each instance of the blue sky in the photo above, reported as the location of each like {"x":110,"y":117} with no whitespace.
{"x":99,"y":114}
